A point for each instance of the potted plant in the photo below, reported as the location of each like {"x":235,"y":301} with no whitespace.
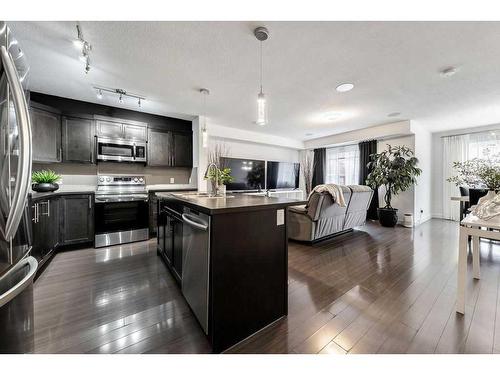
{"x":396,"y":169}
{"x":477,"y":173}
{"x":44,"y":181}
{"x":225,"y":177}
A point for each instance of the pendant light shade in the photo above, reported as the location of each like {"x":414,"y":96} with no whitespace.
{"x":261,"y":109}
{"x":261,"y":33}
{"x":204,"y":133}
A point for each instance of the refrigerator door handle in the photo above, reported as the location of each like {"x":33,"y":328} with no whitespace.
{"x":24,"y":164}
{"x":23,"y":283}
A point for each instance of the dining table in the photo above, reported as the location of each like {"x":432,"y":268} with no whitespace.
{"x":473,"y":228}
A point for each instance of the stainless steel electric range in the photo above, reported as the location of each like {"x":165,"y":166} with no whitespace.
{"x":121,"y":210}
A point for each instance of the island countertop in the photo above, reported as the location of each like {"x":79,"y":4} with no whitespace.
{"x":230,"y":203}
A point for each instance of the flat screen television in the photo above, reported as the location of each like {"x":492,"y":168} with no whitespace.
{"x":282,"y":175}
{"x":247,"y":174}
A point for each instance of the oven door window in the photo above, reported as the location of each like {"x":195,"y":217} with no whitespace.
{"x":121,"y":216}
{"x":112,"y":149}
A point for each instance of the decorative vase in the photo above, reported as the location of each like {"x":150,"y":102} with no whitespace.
{"x":44,"y":187}
{"x":388,"y":217}
{"x":222,"y":189}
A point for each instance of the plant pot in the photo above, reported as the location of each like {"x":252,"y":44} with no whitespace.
{"x":45,"y":187}
{"x":388,"y":217}
{"x":222,"y":189}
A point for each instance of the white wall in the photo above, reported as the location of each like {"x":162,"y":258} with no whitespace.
{"x":385,"y":131}
{"x":423,"y":189}
{"x":244,"y":144}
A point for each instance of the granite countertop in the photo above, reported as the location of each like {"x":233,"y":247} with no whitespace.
{"x":86,"y":189}
{"x":231,"y":203}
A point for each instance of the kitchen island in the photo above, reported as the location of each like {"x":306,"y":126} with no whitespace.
{"x":229,"y":255}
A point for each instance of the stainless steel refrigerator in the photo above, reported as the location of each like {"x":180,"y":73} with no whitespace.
{"x":17,"y":267}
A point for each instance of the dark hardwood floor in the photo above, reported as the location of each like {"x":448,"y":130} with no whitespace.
{"x":375,"y":290}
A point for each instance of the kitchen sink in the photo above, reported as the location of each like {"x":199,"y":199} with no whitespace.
{"x":202,"y":195}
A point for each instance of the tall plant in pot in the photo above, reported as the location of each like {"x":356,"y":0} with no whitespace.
{"x":396,"y":169}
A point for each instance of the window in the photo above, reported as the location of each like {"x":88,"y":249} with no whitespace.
{"x":342,"y":165}
{"x":483,"y":145}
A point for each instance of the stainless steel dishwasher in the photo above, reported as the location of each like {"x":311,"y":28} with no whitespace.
{"x":195,"y":263}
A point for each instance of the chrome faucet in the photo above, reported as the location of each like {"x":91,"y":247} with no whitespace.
{"x":217,"y":172}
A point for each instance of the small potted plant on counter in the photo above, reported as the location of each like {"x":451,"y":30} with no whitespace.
{"x":225,"y":177}
{"x":44,"y":181}
{"x":396,"y":169}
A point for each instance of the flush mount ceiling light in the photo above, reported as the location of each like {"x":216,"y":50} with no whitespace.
{"x":84,"y":47}
{"x":262,"y":34}
{"x":394,"y":114}
{"x":121,"y":93}
{"x":344,"y":87}
{"x":332,"y":116}
{"x":204,"y":133}
{"x":448,"y":72}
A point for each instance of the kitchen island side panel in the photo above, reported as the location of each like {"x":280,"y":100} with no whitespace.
{"x":248,"y":278}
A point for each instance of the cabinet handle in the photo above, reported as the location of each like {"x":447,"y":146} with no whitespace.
{"x":47,"y":213}
{"x":35,"y":209}
{"x":90,"y":202}
{"x":59,"y":154}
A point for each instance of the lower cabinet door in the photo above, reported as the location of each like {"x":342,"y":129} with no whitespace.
{"x":177,"y":248}
{"x":77,"y":219}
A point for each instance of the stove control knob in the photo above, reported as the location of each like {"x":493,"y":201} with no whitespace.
{"x":108,"y":179}
{"x":136,"y":179}
{"x":141,"y":179}
{"x":101,"y":179}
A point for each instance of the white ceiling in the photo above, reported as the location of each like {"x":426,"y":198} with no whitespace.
{"x":394,"y":65}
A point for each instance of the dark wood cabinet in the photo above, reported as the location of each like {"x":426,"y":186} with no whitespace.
{"x":77,"y":224}
{"x":109,"y":129}
{"x":119,"y":128}
{"x":153,"y":214}
{"x":182,"y":149}
{"x":46,"y":221}
{"x":78,"y":139}
{"x":46,"y":134}
{"x":159,"y":148}
{"x":135,"y":132}
{"x":170,"y":149}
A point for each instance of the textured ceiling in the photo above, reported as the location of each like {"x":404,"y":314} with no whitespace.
{"x":394,"y":65}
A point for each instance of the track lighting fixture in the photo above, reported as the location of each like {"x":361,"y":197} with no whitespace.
{"x":84,"y":46}
{"x":122,"y":94}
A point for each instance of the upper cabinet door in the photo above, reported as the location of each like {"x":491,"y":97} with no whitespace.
{"x":159,"y":148}
{"x":183,"y":150}
{"x":109,"y":129}
{"x":78,"y":140}
{"x":46,"y":133}
{"x":135,"y":132}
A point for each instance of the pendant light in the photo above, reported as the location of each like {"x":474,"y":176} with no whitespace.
{"x":261,"y":33}
{"x":204,"y":133}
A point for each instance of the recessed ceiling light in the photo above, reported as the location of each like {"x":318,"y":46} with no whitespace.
{"x":332,"y":116}
{"x":448,"y":72}
{"x":394,"y":114}
{"x":344,"y":87}
{"x":309,"y":134}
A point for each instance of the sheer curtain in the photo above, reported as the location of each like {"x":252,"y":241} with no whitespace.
{"x":455,"y":148}
{"x":342,"y":165}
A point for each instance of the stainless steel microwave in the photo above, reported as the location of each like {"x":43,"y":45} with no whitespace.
{"x":124,"y":150}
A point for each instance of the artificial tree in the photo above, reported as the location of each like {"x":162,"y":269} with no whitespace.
{"x":396,"y":169}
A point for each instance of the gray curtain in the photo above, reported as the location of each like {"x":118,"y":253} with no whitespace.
{"x":319,"y":167}
{"x":365,"y":150}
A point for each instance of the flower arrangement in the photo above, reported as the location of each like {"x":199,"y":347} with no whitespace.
{"x":477,"y":173}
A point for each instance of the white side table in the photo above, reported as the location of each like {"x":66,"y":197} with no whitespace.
{"x":476,"y":228}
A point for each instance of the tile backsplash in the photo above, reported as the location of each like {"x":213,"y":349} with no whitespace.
{"x":85,"y":174}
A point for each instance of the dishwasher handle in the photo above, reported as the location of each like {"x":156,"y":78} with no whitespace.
{"x":194,"y":221}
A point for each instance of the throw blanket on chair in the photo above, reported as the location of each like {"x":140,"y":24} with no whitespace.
{"x":334,"y":190}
